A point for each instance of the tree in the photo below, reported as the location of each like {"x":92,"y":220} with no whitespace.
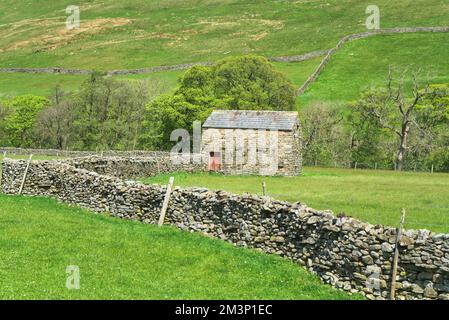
{"x":54,"y":124}
{"x":325,"y":140}
{"x":433,"y":123}
{"x":167,"y":114}
{"x":19,"y":123}
{"x":391,"y":109}
{"x":251,"y":83}
{"x":108,"y":113}
{"x":240,"y":83}
{"x":4,"y":112}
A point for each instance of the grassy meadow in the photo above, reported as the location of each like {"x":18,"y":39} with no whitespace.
{"x":371,"y":196}
{"x":133,"y":34}
{"x":121,"y":259}
{"x":137,"y":34}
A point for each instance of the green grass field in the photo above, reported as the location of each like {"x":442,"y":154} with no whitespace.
{"x":137,"y":34}
{"x":120,"y":259}
{"x":371,"y":196}
{"x":364,"y":63}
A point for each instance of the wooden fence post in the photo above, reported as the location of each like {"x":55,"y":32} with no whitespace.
{"x":2,"y":169}
{"x":396,"y":256}
{"x":166,"y":200}
{"x":25,"y":174}
{"x":264,"y":189}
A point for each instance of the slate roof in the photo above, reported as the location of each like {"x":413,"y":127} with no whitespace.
{"x":244,"y":119}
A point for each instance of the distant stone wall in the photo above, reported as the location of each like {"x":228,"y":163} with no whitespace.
{"x":362,"y":35}
{"x":344,"y":252}
{"x":74,"y":153}
{"x":135,"y":167}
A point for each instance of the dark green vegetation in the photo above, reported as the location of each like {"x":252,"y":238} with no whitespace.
{"x":121,"y":259}
{"x":371,"y":196}
{"x":242,"y":83}
{"x":401,"y":125}
{"x":106,"y":113}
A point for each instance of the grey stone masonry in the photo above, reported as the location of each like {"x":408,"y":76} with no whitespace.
{"x":344,"y":252}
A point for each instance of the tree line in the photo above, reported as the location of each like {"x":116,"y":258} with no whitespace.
{"x":403,"y":124}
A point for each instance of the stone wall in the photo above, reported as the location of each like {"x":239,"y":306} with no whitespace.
{"x":344,"y":252}
{"x":74,"y":153}
{"x":136,"y":167}
{"x":311,"y":79}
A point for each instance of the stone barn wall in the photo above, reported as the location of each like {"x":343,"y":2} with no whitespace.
{"x":344,"y":252}
{"x":288,"y":155}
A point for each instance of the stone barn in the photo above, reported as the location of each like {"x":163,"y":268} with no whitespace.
{"x":253,"y":142}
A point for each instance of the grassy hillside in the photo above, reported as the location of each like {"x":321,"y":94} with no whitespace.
{"x":130,"y":34}
{"x":136,"y":34}
{"x":364,"y":63}
{"x":121,"y":259}
{"x":372,"y":196}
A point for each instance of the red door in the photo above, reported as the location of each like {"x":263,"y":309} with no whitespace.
{"x":214,"y":161}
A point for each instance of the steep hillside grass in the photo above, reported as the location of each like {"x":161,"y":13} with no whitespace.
{"x":12,"y":84}
{"x":138,"y":33}
{"x":364,"y":63}
{"x":121,"y":259}
{"x":372,"y":196}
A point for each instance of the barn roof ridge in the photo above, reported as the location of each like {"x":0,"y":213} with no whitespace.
{"x":252,"y":119}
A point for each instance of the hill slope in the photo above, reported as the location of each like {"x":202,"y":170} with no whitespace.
{"x":138,"y":34}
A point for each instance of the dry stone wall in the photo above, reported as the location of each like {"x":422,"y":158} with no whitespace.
{"x":74,"y":153}
{"x":125,"y":167}
{"x":344,"y":252}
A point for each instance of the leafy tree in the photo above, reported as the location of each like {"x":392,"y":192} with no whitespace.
{"x":392,"y":110}
{"x":325,"y":139}
{"x":240,"y":83}
{"x":54,"y":125}
{"x":19,"y":123}
{"x":251,"y":83}
{"x":108,"y":114}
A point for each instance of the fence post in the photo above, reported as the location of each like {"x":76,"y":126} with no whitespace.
{"x":264,"y":188}
{"x":375,"y":166}
{"x":396,"y":256}
{"x":431,"y":170}
{"x":2,"y":169}
{"x":166,"y":200}
{"x":25,"y":174}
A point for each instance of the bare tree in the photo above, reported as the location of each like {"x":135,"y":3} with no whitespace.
{"x":394,"y":110}
{"x":324,"y":138}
